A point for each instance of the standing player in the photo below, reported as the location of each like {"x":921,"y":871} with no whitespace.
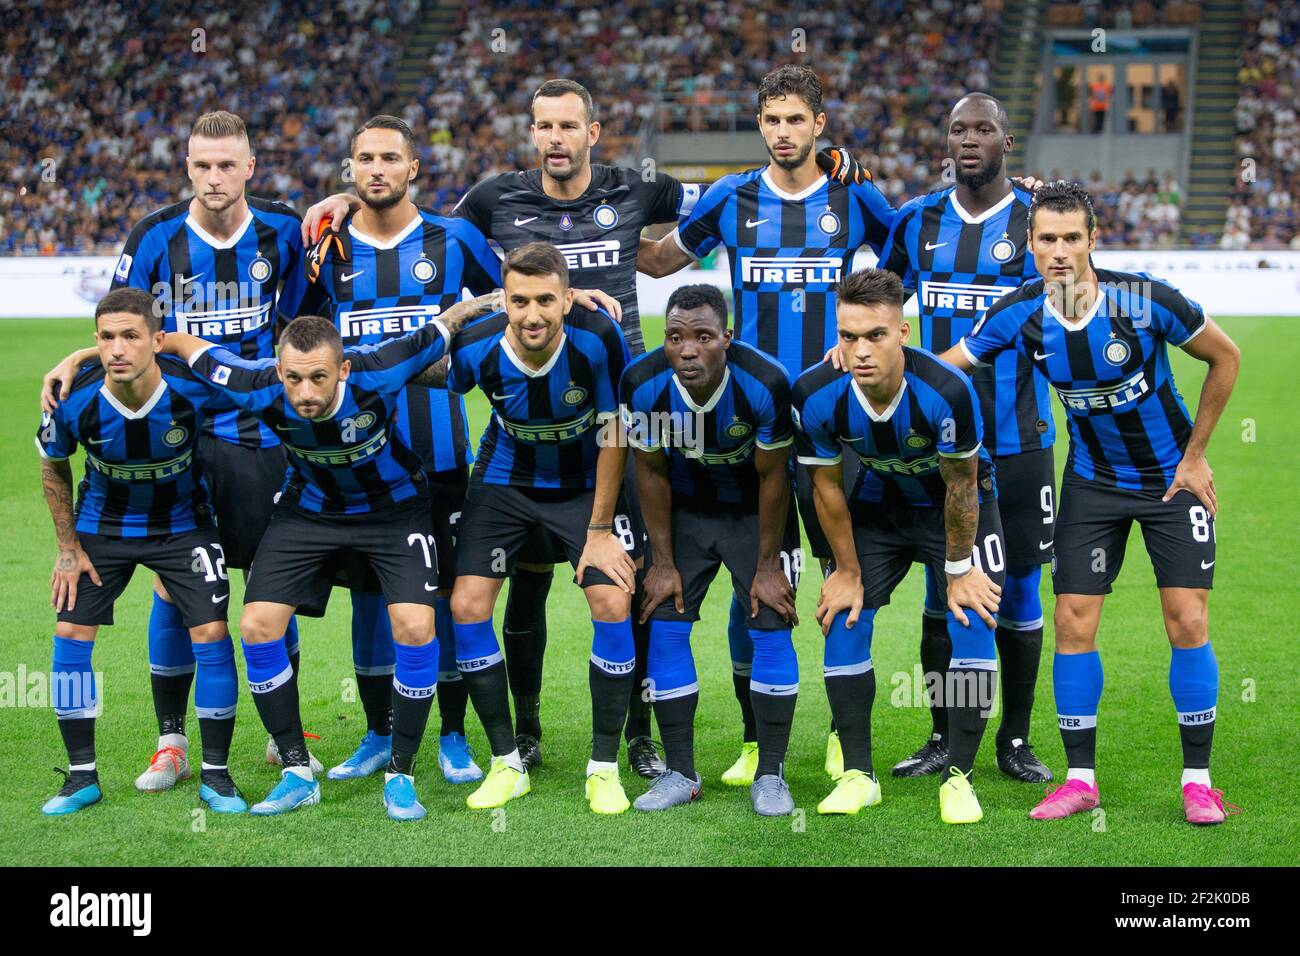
{"x":790,"y":233}
{"x":143,"y":502}
{"x":354,"y":489}
{"x":925,"y":493}
{"x":594,"y":214}
{"x":960,"y":249}
{"x":551,"y":371}
{"x":1101,"y":338}
{"x":393,"y":268}
{"x":216,"y":263}
{"x":710,"y":422}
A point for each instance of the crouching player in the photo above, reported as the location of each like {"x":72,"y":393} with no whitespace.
{"x":710,"y":421}
{"x":925,"y":494}
{"x":143,"y":502}
{"x":353,"y":487}
{"x":551,"y":370}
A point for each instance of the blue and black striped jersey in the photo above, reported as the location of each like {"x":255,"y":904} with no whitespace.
{"x":710,"y":447}
{"x":959,"y":265}
{"x":226,"y":292}
{"x":380,"y":290}
{"x":1128,"y":423}
{"x":349,"y":461}
{"x":786,"y":251}
{"x":935,"y":413}
{"x":142,"y":476}
{"x":545,"y":421}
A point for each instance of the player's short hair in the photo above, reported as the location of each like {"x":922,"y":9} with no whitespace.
{"x":219,"y":124}
{"x":791,"y":80}
{"x":385,"y":121}
{"x":999,"y":111}
{"x":536,"y":259}
{"x":133,"y":302}
{"x":701,"y":294}
{"x":1062,"y":195}
{"x":870,"y":287}
{"x":563,"y":88}
{"x":309,"y":332}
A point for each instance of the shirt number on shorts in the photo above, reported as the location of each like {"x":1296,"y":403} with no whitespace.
{"x":993,"y":559}
{"x":204,"y":564}
{"x":427,"y":547}
{"x":1202,"y":528}
{"x":623,"y":529}
{"x":1045,"y":500}
{"x":792,"y":565}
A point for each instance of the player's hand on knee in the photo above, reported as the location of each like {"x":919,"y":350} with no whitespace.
{"x":975,"y":591}
{"x":841,"y":591}
{"x":662,"y":583}
{"x":772,"y":587}
{"x":604,"y":552}
{"x":68,"y":568}
{"x":1194,"y":474}
{"x":596,"y":299}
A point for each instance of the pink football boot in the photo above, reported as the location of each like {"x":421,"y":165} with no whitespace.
{"x":1203,"y":805}
{"x":1073,"y":796}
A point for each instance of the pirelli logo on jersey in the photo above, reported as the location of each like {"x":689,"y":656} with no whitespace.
{"x":961,"y":297}
{"x":901,"y":466}
{"x":1106,"y":398}
{"x":591,"y":255}
{"x":223,"y":323}
{"x":150,"y":471}
{"x":386,"y":321}
{"x":342,"y":456}
{"x":799,"y":270}
{"x":549,"y":433}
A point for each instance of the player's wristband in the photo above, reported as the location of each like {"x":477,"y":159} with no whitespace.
{"x":600,"y":527}
{"x":957,"y":568}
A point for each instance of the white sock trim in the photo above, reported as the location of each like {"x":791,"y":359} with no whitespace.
{"x":1086,"y":774}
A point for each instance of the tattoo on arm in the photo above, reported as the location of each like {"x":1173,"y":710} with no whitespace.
{"x":961,"y":507}
{"x":56,"y":481}
{"x":435,"y":376}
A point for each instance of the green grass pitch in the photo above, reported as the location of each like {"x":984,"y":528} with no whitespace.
{"x":1253,"y":611}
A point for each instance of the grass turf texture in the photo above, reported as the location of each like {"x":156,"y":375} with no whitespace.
{"x":1252,"y":626}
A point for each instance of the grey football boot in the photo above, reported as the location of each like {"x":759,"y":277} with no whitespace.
{"x":670,"y":789}
{"x":771,"y":796}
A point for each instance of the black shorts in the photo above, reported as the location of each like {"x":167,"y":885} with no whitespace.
{"x":803,"y":493}
{"x":704,"y":540}
{"x":301,"y":553}
{"x":1026,"y":505}
{"x":889,"y":540}
{"x":500,"y":521}
{"x":244,"y":483}
{"x":446,"y":501}
{"x":190,"y":565}
{"x":1093,"y":528}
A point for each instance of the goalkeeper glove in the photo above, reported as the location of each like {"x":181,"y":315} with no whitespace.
{"x":320,"y":248}
{"x":838,"y":164}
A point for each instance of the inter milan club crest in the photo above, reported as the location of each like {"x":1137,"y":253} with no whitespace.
{"x":423,"y":269}
{"x":1003,"y":249}
{"x":1116,"y":351}
{"x":364,"y":420}
{"x":828,"y":222}
{"x":913,"y":440}
{"x":737,"y":428}
{"x":566,"y":222}
{"x":259,"y":270}
{"x":606,"y":216}
{"x":175,"y":435}
{"x":574,"y":394}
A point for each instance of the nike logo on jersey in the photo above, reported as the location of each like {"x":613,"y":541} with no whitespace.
{"x":934,"y":245}
{"x":430,"y":587}
{"x":349,"y":276}
{"x":96,"y":441}
{"x":1205,"y":566}
{"x":218,"y":598}
{"x":1044,"y":545}
{"x":751,"y":223}
{"x":284,"y":428}
{"x":186,"y":281}
{"x":1039,"y":356}
{"x":524,"y":222}
{"x":502,"y":398}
